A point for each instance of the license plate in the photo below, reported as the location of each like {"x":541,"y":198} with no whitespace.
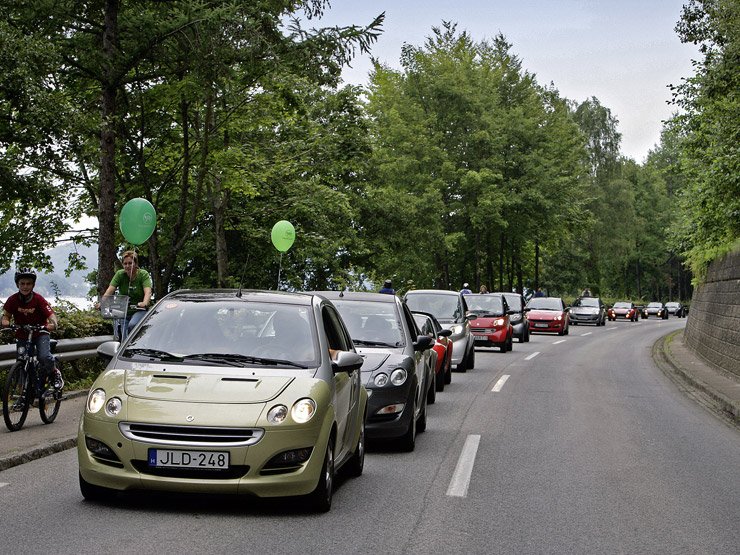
{"x":217,"y":460}
{"x":481,"y":338}
{"x":541,"y":325}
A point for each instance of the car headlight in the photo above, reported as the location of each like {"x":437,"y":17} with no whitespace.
{"x":303,"y":410}
{"x":498,"y":322}
{"x":96,"y":400}
{"x":113,"y":406}
{"x":380,"y":380}
{"x":398,"y":376}
{"x":457,"y":329}
{"x":277,"y":414}
{"x":559,"y":317}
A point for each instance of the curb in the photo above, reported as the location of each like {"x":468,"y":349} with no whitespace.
{"x":709,"y":397}
{"x":38,"y":453}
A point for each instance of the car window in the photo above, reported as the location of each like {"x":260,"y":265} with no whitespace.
{"x":545,"y":303}
{"x":336,"y":333}
{"x":622,"y":305}
{"x":424,"y":324}
{"x":515,"y":302}
{"x":370,"y":321}
{"x":185,"y":327}
{"x":485,"y":304}
{"x":442,"y":305}
{"x":587,"y":301}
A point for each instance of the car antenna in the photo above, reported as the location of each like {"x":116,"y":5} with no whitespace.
{"x":239,"y":293}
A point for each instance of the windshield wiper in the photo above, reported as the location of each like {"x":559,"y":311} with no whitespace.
{"x":153,"y":353}
{"x":374,"y":343}
{"x":241,"y":360}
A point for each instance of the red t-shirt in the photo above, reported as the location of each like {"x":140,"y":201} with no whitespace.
{"x":36,"y":311}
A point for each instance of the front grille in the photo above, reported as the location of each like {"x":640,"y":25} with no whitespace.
{"x":196,"y":436}
{"x":233,"y":472}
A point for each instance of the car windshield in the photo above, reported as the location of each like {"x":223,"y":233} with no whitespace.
{"x":672,"y":305}
{"x":485,"y":304}
{"x":655,"y":305}
{"x":231,"y":333}
{"x":514,"y":301}
{"x":444,"y":306}
{"x":545,"y":303}
{"x":622,"y":305}
{"x":587,"y":301}
{"x":371,"y":323}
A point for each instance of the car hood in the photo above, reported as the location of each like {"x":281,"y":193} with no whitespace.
{"x":536,"y":314}
{"x":484,"y":321}
{"x":202,"y":386}
{"x":373,"y":358}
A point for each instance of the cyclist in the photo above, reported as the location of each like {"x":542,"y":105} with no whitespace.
{"x":136,"y":283}
{"x":26,"y":307}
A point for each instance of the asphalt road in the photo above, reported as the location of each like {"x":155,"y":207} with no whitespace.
{"x":575,"y":444}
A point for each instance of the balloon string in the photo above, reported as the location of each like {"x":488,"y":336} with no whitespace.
{"x":280,"y":268}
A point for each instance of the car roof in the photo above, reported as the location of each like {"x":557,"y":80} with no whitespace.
{"x":276,"y":297}
{"x":358,"y":296}
{"x":435,"y":291}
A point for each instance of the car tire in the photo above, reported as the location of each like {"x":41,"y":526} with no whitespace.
{"x":471,"y":358}
{"x":440,"y":380}
{"x":407,"y":441}
{"x":94,"y":493}
{"x":356,"y":464}
{"x":320,"y":498}
{"x":448,"y":371}
{"x":526,"y":334}
{"x":421,"y":422}
{"x":432,"y":390}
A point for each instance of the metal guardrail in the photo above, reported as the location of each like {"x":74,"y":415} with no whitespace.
{"x":67,"y":349}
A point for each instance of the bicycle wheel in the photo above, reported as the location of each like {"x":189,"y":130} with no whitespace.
{"x":17,"y":397}
{"x":50,"y":400}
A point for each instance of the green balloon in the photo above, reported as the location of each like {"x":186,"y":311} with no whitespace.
{"x":137,"y":220}
{"x":283,"y":235}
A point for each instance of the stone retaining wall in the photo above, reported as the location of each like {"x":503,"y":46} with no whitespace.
{"x":713,"y":326}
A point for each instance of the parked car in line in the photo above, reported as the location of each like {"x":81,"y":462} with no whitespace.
{"x":623,"y":310}
{"x":398,"y":371}
{"x":676,"y":309}
{"x":450,"y":309}
{"x":492,"y":327}
{"x":548,"y":314}
{"x":656,"y":309}
{"x":587,"y":310}
{"x":226,"y":391}
{"x":443,"y":346}
{"x":518,"y":317}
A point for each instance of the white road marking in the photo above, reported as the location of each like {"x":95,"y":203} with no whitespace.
{"x":530,"y":357}
{"x":464,"y":469}
{"x":500,"y":383}
{"x":558,"y":342}
{"x":587,"y":333}
{"x":3,"y":484}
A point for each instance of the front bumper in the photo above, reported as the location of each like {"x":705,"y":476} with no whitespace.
{"x":128,"y":469}
{"x":551,"y":326}
{"x":387,"y":426}
{"x":490,"y":338}
{"x":584,"y":318}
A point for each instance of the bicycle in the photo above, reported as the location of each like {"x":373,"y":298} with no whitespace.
{"x":24,"y":380}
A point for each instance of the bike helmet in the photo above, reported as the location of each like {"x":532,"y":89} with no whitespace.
{"x":24,"y":273}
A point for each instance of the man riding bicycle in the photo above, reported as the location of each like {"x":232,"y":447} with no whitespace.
{"x":26,"y":307}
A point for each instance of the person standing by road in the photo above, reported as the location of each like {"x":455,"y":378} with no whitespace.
{"x":136,"y":283}
{"x":26,"y":307}
{"x":483,"y":290}
{"x":539,"y":293}
{"x":466,"y":289}
{"x":387,"y":288}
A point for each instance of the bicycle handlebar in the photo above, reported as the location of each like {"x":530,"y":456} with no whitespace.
{"x":26,"y":327}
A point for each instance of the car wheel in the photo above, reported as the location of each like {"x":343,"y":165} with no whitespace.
{"x":421,"y":422}
{"x":356,"y":464}
{"x":320,"y":498}
{"x":566,"y":331}
{"x":471,"y":359}
{"x":440,"y":379}
{"x":448,"y":371}
{"x":526,"y":333}
{"x":408,"y":440}
{"x":91,"y":492}
{"x":432,"y":391}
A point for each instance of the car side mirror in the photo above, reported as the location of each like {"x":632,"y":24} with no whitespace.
{"x":423,"y":343}
{"x":444,"y":333}
{"x":106,"y":351}
{"x":346,"y":361}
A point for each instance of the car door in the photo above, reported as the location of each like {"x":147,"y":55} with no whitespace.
{"x":422,"y":359}
{"x":346,"y":386}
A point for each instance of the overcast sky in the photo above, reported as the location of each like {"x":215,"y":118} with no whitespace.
{"x":623,"y":52}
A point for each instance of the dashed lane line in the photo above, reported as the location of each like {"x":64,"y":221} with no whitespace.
{"x":500,"y":383}
{"x":530,"y":357}
{"x":561,"y":341}
{"x":464,"y":469}
{"x":587,"y":333}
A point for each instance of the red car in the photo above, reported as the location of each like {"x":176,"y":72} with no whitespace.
{"x":623,"y":310}
{"x":492,"y":327}
{"x":548,"y":314}
{"x":429,"y":325}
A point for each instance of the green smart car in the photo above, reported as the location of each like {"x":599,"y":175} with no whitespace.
{"x":227,"y":391}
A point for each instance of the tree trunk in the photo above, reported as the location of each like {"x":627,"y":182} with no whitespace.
{"x":107,"y":196}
